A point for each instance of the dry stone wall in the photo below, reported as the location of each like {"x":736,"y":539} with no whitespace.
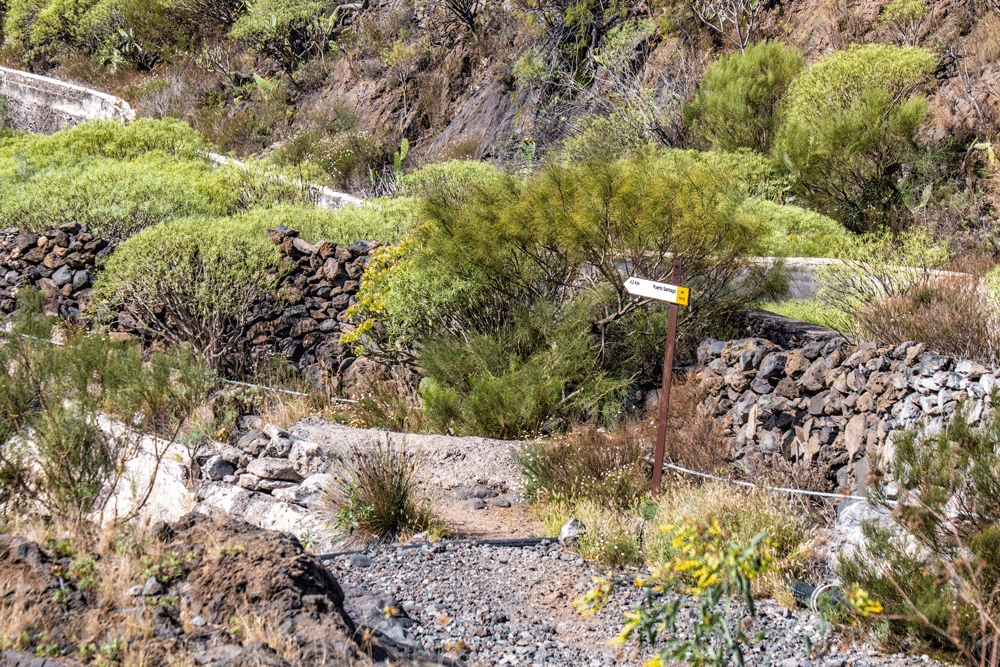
{"x":834,"y":404}
{"x":59,"y":261}
{"x":304,"y":325}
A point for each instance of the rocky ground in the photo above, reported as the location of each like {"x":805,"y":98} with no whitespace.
{"x":494,"y":594}
{"x":501,"y":605}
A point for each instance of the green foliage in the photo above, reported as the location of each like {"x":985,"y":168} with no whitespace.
{"x":741,"y":514}
{"x":737,"y":101}
{"x":618,"y":45}
{"x":484,"y":285}
{"x":510,"y":382}
{"x":348,"y":159}
{"x":205,"y":274}
{"x":850,"y":125}
{"x":934,"y":559}
{"x":103,"y":138}
{"x":60,"y":393}
{"x":901,"y":11}
{"x":809,"y":310}
{"x":406,"y":296}
{"x":111,"y":198}
{"x":290,"y":31}
{"x":166,"y":567}
{"x":374,"y":491}
{"x":399,"y":156}
{"x":384,"y":219}
{"x":113,"y":31}
{"x":115,"y":180}
{"x":610,"y":538}
{"x":609,"y":468}
{"x":795,"y":231}
{"x":526,"y":242}
{"x":530,"y":69}
{"x":722,"y":570}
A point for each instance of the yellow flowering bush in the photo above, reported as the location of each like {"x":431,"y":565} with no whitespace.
{"x":715,"y":573}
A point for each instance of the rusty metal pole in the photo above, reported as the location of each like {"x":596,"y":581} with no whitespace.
{"x":668,"y":367}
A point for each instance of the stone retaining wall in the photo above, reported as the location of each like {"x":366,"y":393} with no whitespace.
{"x":37,"y":103}
{"x":304,"y":326}
{"x":59,"y":261}
{"x":833,"y":403}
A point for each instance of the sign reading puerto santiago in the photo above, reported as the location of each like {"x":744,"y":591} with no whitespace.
{"x":654,"y":290}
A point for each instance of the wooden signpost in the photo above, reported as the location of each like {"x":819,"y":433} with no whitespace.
{"x":675,"y":295}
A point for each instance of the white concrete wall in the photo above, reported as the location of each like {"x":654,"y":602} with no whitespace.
{"x":41,"y":104}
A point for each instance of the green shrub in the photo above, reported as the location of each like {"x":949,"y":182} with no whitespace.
{"x":102,"y":138}
{"x":795,"y":231}
{"x":737,"y":101}
{"x":753,"y":174}
{"x":888,"y":287}
{"x":528,"y":241}
{"x":374,"y":491}
{"x":385,"y":220}
{"x":114,"y":199}
{"x":850,"y":123}
{"x":457,"y":178}
{"x":611,"y":537}
{"x":934,"y":561}
{"x":520,"y":279}
{"x":290,"y":31}
{"x":194,"y":280}
{"x":59,"y":394}
{"x":115,"y":32}
{"x":510,"y":382}
{"x":348,"y":159}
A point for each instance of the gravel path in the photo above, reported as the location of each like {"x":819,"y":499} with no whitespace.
{"x":498,"y":605}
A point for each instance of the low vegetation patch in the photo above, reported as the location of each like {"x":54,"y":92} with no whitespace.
{"x":809,"y":310}
{"x":374,"y":493}
{"x":933,"y":558}
{"x":59,"y":454}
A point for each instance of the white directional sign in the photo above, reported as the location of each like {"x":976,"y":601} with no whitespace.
{"x":654,"y":290}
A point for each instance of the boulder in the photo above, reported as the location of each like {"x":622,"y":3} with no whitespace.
{"x":253,"y":442}
{"x":307,"y":458}
{"x":276,"y":469}
{"x":216,"y":468}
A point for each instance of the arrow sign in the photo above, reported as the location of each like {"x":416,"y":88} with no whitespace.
{"x":654,"y":290}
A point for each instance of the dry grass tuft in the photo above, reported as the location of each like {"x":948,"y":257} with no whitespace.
{"x":374,"y":492}
{"x":742,"y":513}
{"x":590,"y":463}
{"x":693,"y":439}
{"x":949,"y":313}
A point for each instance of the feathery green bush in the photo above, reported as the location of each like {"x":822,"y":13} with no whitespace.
{"x":850,"y":124}
{"x":934,"y":560}
{"x":737,"y":103}
{"x":512,"y":297}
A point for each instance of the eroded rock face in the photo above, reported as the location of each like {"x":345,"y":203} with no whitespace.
{"x":219,"y":572}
